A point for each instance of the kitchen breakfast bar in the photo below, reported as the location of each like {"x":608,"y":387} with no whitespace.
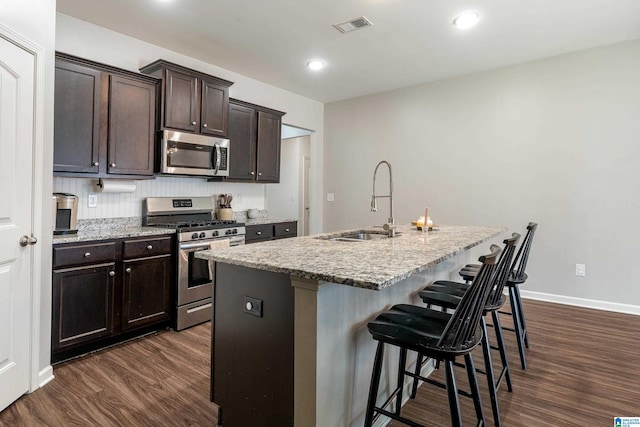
{"x":290,"y":345}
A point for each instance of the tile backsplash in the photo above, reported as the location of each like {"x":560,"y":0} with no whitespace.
{"x":114,"y":205}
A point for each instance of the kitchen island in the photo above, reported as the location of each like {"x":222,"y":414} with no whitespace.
{"x":290,"y":343}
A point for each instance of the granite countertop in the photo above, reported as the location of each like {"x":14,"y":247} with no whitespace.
{"x":110,"y":228}
{"x":261,"y":221}
{"x":373,"y":264}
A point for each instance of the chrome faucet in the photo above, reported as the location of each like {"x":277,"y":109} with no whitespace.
{"x":390,"y":226}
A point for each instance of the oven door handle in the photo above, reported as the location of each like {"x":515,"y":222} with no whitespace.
{"x":196,"y":245}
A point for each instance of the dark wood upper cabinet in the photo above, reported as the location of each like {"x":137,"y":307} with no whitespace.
{"x":77,"y":118}
{"x":254,"y":134}
{"x":269,"y":126}
{"x":181,"y":101}
{"x":214,"y":118}
{"x":243,"y":134}
{"x":132,"y":120}
{"x":105,"y":120}
{"x":192,"y":101}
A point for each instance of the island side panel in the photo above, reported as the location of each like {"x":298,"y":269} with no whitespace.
{"x":252,"y":356}
{"x":344,"y":349}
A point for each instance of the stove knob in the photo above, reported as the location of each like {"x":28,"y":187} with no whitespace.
{"x":194,"y":236}
{"x":202,"y":235}
{"x":215,"y":233}
{"x":235,"y":231}
{"x":227,"y":232}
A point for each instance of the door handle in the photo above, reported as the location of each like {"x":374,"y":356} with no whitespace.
{"x":27,"y":240}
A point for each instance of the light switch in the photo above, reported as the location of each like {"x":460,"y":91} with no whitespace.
{"x":92,"y":201}
{"x":330,"y":197}
{"x":581,"y":270}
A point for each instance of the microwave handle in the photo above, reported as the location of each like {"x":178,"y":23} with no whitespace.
{"x":218,"y":155}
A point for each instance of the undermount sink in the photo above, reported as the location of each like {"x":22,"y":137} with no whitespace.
{"x":359,"y":236}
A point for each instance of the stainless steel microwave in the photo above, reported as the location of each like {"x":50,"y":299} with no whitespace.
{"x":184,"y":153}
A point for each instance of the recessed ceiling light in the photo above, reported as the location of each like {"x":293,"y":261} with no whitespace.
{"x":316,"y":64}
{"x":466,"y":20}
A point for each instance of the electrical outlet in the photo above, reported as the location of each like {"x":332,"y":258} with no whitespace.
{"x":92,"y":201}
{"x":581,"y":270}
{"x":330,"y":197}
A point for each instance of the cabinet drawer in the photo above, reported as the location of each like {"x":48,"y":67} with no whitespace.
{"x":146,"y":247}
{"x":286,"y":229}
{"x":94,"y":253}
{"x":255,"y":232}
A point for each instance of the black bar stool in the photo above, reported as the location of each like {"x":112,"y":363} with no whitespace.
{"x":435,"y":334}
{"x":516,"y":278}
{"x":447,"y":295}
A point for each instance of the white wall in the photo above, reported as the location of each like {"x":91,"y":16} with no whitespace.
{"x":283,"y":199}
{"x":35,"y":20}
{"x":89,"y":41}
{"x":555,"y":141}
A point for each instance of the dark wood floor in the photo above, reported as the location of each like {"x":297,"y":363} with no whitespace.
{"x":584,"y":369}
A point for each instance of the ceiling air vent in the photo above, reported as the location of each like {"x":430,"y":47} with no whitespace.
{"x":353,"y":24}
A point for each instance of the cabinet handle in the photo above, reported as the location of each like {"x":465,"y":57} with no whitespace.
{"x":259,"y":173}
{"x":286,"y":230}
{"x":113,"y":165}
{"x":149,"y":247}
{"x":95,"y":164}
{"x":252,"y":173}
{"x":193,"y":123}
{"x":128,"y":270}
{"x":112,"y":273}
{"x":258,"y":232}
{"x":87,"y":254}
{"x":204,"y":125}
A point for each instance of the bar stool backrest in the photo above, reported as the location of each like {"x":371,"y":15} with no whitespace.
{"x":465,"y":319}
{"x":520,"y":262}
{"x":503,"y":269}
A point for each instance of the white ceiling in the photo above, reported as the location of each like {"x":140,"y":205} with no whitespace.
{"x":410,"y":42}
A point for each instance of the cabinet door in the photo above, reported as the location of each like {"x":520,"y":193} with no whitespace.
{"x":268,"y":147}
{"x":242,"y":146}
{"x":181,"y":101}
{"x":146,"y":291}
{"x":76,"y":118}
{"x":132,"y":119}
{"x":214,"y":118}
{"x":82,"y":302}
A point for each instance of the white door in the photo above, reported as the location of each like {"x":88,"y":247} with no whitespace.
{"x":17,"y":68}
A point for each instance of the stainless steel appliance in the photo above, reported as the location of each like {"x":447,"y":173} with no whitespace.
{"x":66,"y":213}
{"x":192,"y":218}
{"x":184,"y":153}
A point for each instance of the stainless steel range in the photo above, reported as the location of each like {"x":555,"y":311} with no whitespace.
{"x":192,"y":218}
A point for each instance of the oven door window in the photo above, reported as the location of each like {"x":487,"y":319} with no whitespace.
{"x":199,"y":273}
{"x":185,"y":155}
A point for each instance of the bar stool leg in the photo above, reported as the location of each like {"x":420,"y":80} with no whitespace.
{"x":475,"y":391}
{"x":515,"y":313}
{"x":452,"y":393}
{"x":402,"y":363}
{"x":491,"y":381}
{"x":497,"y":327}
{"x":375,"y":383}
{"x":414,"y":386}
{"x":523,"y":323}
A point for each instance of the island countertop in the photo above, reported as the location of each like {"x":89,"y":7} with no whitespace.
{"x":373,"y":264}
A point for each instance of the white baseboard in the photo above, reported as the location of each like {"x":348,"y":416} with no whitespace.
{"x":582,"y":302}
{"x":45,"y":375}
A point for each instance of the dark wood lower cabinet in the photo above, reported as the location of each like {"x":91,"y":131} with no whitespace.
{"x":252,"y":350}
{"x":83,"y":304}
{"x":272,"y":231}
{"x":108,"y":291}
{"x":146,"y":291}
